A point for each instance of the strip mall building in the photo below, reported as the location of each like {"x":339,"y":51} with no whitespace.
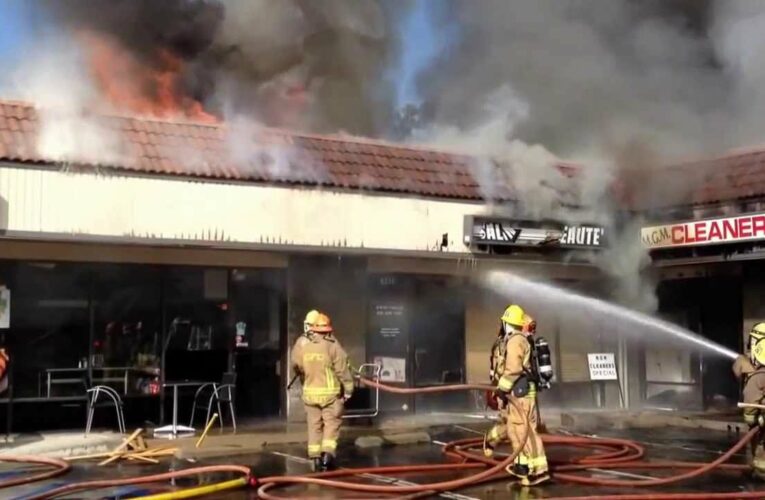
{"x":172,"y":243}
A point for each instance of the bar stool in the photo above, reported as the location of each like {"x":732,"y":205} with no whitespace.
{"x":111,"y":394}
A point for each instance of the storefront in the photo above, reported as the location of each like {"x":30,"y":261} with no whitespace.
{"x":708,"y":272}
{"x":214,"y":264}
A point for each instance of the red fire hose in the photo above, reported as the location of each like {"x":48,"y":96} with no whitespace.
{"x":611,"y":454}
{"x":619,"y":453}
{"x":59,"y":467}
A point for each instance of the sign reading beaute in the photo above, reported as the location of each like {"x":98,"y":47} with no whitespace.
{"x":502,"y":232}
{"x":705,"y":232}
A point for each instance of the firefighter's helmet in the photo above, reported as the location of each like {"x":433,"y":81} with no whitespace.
{"x":529,"y":324}
{"x":310,"y":319}
{"x":757,"y":343}
{"x":322,"y":324}
{"x":513,"y":315}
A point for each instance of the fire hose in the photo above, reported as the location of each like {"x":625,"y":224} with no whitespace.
{"x":624,"y":455}
{"x":612,"y":453}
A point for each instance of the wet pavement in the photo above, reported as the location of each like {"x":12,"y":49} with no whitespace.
{"x":660,"y":444}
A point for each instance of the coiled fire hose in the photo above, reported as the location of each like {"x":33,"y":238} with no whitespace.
{"x":612,"y":453}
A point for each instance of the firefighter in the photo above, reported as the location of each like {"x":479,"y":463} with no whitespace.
{"x":323,"y":367}
{"x":516,"y":394}
{"x":754,"y":393}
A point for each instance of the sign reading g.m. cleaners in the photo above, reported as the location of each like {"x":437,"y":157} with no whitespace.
{"x":504,"y":232}
{"x":748,"y":227}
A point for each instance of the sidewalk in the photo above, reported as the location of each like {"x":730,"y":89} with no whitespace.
{"x":59,"y":444}
{"x":389,"y":431}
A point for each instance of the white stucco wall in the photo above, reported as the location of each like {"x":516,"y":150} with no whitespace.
{"x":49,"y":201}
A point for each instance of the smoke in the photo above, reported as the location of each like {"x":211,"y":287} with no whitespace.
{"x":266,"y":155}
{"x":67,"y":132}
{"x":290,"y":63}
{"x":619,"y":87}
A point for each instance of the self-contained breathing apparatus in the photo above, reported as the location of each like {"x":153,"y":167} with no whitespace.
{"x":541,"y":361}
{"x":540,"y":373}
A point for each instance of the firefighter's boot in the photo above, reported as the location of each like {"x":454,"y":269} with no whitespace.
{"x":488,"y":448}
{"x":536,"y":479}
{"x":520,"y":471}
{"x":316,"y":464}
{"x":327,"y":462}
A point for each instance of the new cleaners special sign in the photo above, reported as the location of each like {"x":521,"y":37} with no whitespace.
{"x":705,"y":232}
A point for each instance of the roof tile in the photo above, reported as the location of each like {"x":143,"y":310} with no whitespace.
{"x":201,"y":150}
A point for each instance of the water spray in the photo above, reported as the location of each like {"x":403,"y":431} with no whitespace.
{"x":512,"y":285}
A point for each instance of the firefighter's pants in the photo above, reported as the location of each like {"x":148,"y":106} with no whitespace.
{"x":512,"y":423}
{"x":757,"y":455}
{"x":323,"y":427}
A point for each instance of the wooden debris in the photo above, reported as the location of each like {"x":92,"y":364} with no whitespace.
{"x":207,"y":429}
{"x":132,"y":449}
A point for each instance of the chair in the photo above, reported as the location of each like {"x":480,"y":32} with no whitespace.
{"x":110,"y":393}
{"x":221,"y":393}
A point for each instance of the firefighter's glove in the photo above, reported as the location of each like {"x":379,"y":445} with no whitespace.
{"x":502,"y":397}
{"x":760,"y":420}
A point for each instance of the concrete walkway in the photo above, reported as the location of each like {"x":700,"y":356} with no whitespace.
{"x":389,"y":431}
{"x":59,"y":444}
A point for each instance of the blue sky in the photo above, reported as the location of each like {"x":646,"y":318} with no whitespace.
{"x":420,"y":43}
{"x":17,"y":20}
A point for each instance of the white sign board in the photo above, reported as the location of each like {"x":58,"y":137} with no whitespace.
{"x":602,"y":366}
{"x":393,"y":369}
{"x":5,"y":307}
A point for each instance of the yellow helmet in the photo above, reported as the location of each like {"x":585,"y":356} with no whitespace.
{"x":322,"y":325}
{"x":310,"y":320}
{"x":757,"y":343}
{"x":513,"y":315}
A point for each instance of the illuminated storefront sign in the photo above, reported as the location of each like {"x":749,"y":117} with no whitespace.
{"x":705,"y":232}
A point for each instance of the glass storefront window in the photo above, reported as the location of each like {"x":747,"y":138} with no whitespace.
{"x":48,"y":338}
{"x":198,"y":341}
{"x":127,"y":326}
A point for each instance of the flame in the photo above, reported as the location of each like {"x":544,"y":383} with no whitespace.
{"x":139,"y":88}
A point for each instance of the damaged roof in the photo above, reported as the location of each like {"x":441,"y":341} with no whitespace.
{"x":242,"y":152}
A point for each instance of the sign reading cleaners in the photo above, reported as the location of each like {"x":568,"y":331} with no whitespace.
{"x":486,"y":231}
{"x":602,"y":366}
{"x":705,"y":232}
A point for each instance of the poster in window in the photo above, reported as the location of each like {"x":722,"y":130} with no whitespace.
{"x":5,"y":307}
{"x":392,"y":369}
{"x":390,"y":320}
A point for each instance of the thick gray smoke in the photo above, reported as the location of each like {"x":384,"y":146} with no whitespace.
{"x":293,"y":63}
{"x":622,"y":87}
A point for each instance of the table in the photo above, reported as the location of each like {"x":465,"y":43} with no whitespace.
{"x":172,"y":430}
{"x":51,"y":380}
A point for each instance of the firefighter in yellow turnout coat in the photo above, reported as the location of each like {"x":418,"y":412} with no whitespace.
{"x":752,"y":371}
{"x":323,"y":367}
{"x":511,"y":372}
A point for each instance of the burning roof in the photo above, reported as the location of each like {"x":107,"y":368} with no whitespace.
{"x":242,"y":152}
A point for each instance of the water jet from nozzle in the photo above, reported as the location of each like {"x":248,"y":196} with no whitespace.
{"x":516,"y":287}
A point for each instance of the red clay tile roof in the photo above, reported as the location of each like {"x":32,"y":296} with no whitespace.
{"x":735,"y":176}
{"x":245,"y":153}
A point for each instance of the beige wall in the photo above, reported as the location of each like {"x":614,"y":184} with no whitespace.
{"x":135,"y":254}
{"x":49,"y":201}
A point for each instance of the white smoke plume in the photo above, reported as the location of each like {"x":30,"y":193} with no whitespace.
{"x":69,"y":130}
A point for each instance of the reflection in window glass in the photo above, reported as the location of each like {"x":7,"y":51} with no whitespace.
{"x":50,"y":328}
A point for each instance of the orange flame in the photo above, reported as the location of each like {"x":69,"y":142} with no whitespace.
{"x":138,"y":88}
